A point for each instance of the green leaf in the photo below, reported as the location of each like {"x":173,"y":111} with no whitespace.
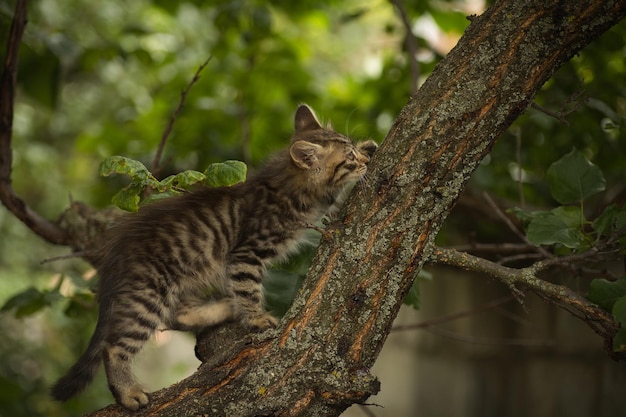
{"x":611,"y":220}
{"x":550,"y":227}
{"x":225,"y":174}
{"x":606,"y":293}
{"x":26,"y":303}
{"x":184,"y":179}
{"x":160,"y":196}
{"x":574,"y":178}
{"x":128,"y":197}
{"x":413,"y":297}
{"x":122,"y":165}
{"x":572,"y":216}
{"x":619,"y":312}
{"x":521,"y":214}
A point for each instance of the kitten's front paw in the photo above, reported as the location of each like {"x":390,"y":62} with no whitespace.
{"x":133,"y":397}
{"x":261,"y":323}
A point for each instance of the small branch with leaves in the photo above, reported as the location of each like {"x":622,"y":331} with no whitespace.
{"x":520,"y":280}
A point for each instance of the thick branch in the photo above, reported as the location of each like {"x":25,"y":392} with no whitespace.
{"x":44,"y":228}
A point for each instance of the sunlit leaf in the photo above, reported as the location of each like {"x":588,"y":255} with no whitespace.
{"x":224,"y":174}
{"x":128,"y":197}
{"x":574,"y":178}
{"x":122,"y":165}
{"x":159,"y":196}
{"x":183,"y":179}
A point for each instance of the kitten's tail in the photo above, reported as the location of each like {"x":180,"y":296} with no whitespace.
{"x":83,"y":371}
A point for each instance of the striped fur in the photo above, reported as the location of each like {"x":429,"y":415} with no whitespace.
{"x":198,"y":260}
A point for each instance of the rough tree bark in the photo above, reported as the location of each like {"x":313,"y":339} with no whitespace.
{"x":316,"y":363}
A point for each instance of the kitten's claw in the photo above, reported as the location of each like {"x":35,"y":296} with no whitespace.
{"x":263,"y":322}
{"x":326,"y":234}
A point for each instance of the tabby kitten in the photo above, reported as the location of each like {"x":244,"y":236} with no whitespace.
{"x":198,"y":259}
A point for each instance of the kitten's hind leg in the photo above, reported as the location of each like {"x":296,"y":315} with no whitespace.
{"x":129,"y":329}
{"x":199,"y":315}
{"x":121,"y":380}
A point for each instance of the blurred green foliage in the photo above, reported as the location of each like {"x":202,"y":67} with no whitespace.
{"x":98,"y":79}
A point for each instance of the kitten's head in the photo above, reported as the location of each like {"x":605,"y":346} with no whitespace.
{"x":328,"y":159}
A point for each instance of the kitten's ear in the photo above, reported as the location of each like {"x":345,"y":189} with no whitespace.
{"x":367,"y":148}
{"x":305,"y":154}
{"x":305,"y":119}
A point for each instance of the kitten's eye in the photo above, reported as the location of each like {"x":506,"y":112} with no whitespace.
{"x":351,"y":156}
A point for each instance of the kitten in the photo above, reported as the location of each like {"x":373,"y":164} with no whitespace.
{"x":198,"y":259}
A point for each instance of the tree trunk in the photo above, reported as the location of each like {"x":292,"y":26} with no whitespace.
{"x":317,"y":362}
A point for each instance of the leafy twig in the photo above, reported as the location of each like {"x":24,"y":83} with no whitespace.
{"x":170,"y":124}
{"x":595,"y":317}
{"x":513,"y":228}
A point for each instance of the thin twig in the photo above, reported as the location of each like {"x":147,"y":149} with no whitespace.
{"x":513,"y":228}
{"x":491,"y":341}
{"x":569,"y":259}
{"x":520,"y":171}
{"x":557,"y":115}
{"x":520,"y":257}
{"x":170,"y":125}
{"x":494,"y":248}
{"x":411,"y":44}
{"x":572,"y":104}
{"x":453,"y":316}
{"x":366,"y":410}
{"x":81,"y":254}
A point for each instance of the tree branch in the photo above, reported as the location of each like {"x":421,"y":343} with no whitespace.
{"x":411,"y":44}
{"x":170,"y":125}
{"x":599,"y":320}
{"x":42,"y":227}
